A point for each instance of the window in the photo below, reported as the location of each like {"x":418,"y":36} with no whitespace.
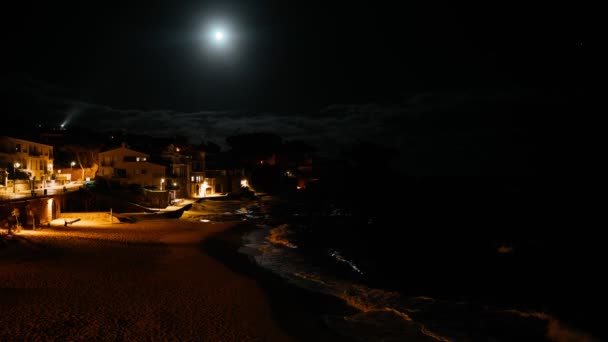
{"x":122,"y":173}
{"x":197,"y":166}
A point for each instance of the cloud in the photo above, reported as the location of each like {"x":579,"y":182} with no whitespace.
{"x":449,"y":132}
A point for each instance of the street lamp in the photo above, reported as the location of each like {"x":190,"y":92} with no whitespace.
{"x":72,"y":170}
{"x":15,"y":167}
{"x":162,"y":180}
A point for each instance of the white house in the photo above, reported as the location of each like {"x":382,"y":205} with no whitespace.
{"x":130,"y":167}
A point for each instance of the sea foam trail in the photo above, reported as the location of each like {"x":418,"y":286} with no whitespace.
{"x":388,"y":315}
{"x":556,"y":330}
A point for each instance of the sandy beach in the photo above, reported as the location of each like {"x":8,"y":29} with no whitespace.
{"x":166,"y":279}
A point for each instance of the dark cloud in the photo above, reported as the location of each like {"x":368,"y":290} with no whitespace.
{"x":510,"y":131}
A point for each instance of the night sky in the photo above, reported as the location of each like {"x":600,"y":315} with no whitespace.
{"x":330,"y":74}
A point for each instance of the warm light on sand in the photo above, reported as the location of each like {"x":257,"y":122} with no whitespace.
{"x":91,"y":276}
{"x":33,"y":232}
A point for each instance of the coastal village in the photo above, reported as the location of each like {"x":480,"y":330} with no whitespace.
{"x":95,"y":272}
{"x":38,"y":171}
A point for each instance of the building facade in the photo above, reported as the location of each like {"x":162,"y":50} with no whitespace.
{"x":187,"y":171}
{"x":130,"y":167}
{"x":18,"y":155}
{"x":190,"y":177}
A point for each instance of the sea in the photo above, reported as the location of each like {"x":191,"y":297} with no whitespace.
{"x":440,"y":272}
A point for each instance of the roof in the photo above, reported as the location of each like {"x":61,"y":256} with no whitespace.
{"x":124,"y":150}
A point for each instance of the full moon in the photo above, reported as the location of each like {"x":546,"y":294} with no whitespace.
{"x":218,"y":37}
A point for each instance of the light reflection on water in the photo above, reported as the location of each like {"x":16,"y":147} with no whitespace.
{"x":384,"y":314}
{"x":388,"y":315}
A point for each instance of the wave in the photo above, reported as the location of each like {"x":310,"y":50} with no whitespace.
{"x":280,"y":236}
{"x":556,"y":330}
{"x":389,"y":315}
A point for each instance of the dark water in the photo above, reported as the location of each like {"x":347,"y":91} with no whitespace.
{"x":508,"y":269}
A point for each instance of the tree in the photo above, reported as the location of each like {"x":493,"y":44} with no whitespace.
{"x":86,"y":157}
{"x":368,"y":156}
{"x":15,"y":213}
{"x":253,"y":147}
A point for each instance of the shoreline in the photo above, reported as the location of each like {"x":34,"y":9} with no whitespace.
{"x":299,"y":312}
{"x":559,"y":323}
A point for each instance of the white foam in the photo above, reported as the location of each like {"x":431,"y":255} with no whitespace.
{"x":388,"y":315}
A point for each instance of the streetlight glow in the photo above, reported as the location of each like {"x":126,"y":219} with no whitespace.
{"x":72,"y":169}
{"x":219,"y":35}
{"x":204,"y":188}
{"x":15,"y":167}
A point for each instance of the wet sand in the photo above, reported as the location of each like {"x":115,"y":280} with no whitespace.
{"x":151,"y":280}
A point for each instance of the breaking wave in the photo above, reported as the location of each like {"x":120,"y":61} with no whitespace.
{"x":390,"y":316}
{"x":280,"y":236}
